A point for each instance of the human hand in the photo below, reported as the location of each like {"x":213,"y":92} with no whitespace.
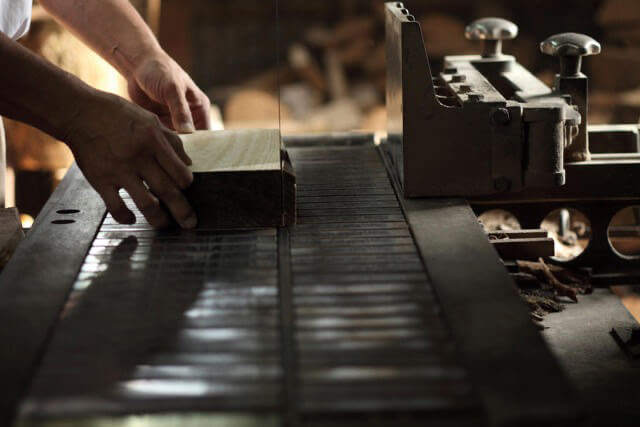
{"x":159,"y":85}
{"x":120,"y":145}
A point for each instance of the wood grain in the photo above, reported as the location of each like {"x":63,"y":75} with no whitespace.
{"x":233,"y":150}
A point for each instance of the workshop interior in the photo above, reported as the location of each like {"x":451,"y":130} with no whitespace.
{"x":447,"y":231}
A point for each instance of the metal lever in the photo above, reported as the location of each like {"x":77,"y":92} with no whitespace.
{"x":570,"y":82}
{"x":570,"y":48}
{"x":492,"y":31}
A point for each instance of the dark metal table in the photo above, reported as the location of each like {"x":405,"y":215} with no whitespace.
{"x":372,"y":310}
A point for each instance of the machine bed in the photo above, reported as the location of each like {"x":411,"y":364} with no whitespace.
{"x":372,"y":310}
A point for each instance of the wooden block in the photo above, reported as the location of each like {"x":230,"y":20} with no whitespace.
{"x":11,"y":234}
{"x":526,"y":248}
{"x":250,"y":107}
{"x":336,"y":116}
{"x":355,"y":52}
{"x":518,"y":234}
{"x":609,"y":71}
{"x":376,"y":120}
{"x":301,"y":60}
{"x":347,"y":30}
{"x":242,"y":179}
{"x":337,"y":82}
{"x":443,"y":35}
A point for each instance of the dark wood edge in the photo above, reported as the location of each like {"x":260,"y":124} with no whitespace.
{"x":289,"y":190}
{"x":36,"y":282}
{"x":508,"y":362}
{"x":331,"y":139}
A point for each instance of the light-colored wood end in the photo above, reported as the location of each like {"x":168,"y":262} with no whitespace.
{"x":233,"y":150}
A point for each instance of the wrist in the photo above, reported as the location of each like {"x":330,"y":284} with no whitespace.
{"x":65,"y":99}
{"x":91,"y":108}
{"x":135,"y":62}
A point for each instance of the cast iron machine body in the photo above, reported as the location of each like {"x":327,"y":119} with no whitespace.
{"x":374,"y":309}
{"x":487,"y":129}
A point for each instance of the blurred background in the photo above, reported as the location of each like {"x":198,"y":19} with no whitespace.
{"x":328,"y":59}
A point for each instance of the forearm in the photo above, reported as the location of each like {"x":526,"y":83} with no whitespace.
{"x":36,"y":92}
{"x":113,"y":28}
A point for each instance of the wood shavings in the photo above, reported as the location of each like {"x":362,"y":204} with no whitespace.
{"x":541,"y":284}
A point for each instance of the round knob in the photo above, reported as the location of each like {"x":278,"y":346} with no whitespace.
{"x":570,"y":48}
{"x":492,"y":31}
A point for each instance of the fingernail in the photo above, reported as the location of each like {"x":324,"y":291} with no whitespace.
{"x":186,"y":128}
{"x":190,"y":222}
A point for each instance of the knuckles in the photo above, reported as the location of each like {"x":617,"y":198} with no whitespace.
{"x":169,"y":194}
{"x":149,"y":206}
{"x":171,"y":88}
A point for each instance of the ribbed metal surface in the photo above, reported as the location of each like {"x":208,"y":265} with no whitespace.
{"x":191,"y":321}
{"x":368,"y":329}
{"x":164,"y":322}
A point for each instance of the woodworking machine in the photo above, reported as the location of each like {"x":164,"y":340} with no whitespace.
{"x":487,"y":129}
{"x":385,"y":305}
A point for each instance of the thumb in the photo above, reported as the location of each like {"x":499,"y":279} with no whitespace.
{"x":180,"y":112}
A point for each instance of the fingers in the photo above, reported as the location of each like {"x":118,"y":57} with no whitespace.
{"x":179,"y":109}
{"x":201,"y":117}
{"x":116,"y":207}
{"x":174,"y":166}
{"x":200,"y":108}
{"x":164,"y":189}
{"x":176,"y":148}
{"x":147,"y":203}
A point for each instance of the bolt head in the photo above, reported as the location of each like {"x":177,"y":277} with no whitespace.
{"x":501,"y":116}
{"x":475,"y":97}
{"x":458,"y":78}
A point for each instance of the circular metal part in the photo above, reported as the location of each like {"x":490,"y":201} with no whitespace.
{"x":492,"y":31}
{"x":570,"y":48}
{"x":458,"y":78}
{"x":501,"y":116}
{"x":570,"y":44}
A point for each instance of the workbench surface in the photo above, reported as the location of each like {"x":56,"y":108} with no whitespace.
{"x":372,"y":309}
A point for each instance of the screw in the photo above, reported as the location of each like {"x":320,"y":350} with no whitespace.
{"x":475,"y":97}
{"x":458,"y":78}
{"x":465,"y":88}
{"x":450,"y":70}
{"x":501,"y":116}
{"x":501,"y":184}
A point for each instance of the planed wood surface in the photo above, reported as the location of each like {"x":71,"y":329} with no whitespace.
{"x":233,"y":150}
{"x":241,"y":179}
